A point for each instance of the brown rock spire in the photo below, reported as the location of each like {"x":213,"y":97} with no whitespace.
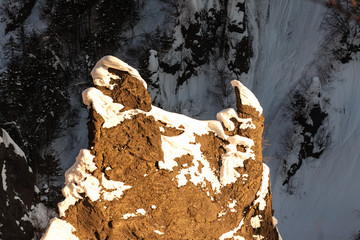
{"x":152,"y":174}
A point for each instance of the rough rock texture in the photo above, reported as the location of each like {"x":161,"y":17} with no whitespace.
{"x":16,"y":191}
{"x":172,"y":178}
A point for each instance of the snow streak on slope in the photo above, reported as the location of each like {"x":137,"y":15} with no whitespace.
{"x":284,"y":50}
{"x":325,"y":202}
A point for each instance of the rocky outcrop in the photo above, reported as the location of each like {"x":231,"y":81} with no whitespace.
{"x":153,"y":174}
{"x":16,"y":191}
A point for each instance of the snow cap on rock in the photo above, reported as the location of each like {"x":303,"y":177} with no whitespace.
{"x":247,"y":97}
{"x":102,"y":77}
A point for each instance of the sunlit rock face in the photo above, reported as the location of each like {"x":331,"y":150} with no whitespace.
{"x":153,"y":174}
{"x":16,"y":191}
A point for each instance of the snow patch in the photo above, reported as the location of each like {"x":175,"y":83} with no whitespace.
{"x":261,"y":194}
{"x":232,"y":205}
{"x":153,"y":62}
{"x":117,"y":187}
{"x":60,"y":230}
{"x":247,"y":97}
{"x":39,"y":216}
{"x":158,"y":232}
{"x":7,"y":140}
{"x":197,"y":177}
{"x":177,"y":146}
{"x":231,"y":233}
{"x":138,"y":212}
{"x":225,"y":115}
{"x":102,"y":77}
{"x":256,"y":221}
{"x":3,"y":176}
{"x":257,"y":237}
{"x":232,"y":158}
{"x":78,"y":181}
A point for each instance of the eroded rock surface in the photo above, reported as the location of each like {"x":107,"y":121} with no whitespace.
{"x":152,"y":174}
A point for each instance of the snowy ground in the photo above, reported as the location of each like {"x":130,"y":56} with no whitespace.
{"x":325,"y":204}
{"x":287,"y":40}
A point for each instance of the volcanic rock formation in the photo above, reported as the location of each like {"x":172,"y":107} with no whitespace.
{"x":16,"y":191}
{"x":152,"y":174}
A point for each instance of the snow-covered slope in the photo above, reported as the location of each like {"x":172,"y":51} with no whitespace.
{"x":320,"y":200}
{"x":324,"y":199}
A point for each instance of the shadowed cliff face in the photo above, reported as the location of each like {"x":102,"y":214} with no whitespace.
{"x":16,"y":191}
{"x":152,"y":174}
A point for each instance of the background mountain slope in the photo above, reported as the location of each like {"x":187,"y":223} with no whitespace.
{"x":300,"y":58}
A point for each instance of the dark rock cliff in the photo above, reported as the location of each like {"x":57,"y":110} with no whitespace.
{"x":16,"y":191}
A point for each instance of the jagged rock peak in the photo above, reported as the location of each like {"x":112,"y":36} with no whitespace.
{"x":16,"y":191}
{"x":153,"y":174}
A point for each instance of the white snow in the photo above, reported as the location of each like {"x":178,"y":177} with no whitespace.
{"x":183,"y":144}
{"x":102,"y":77}
{"x":158,"y":232}
{"x":39,"y":216}
{"x":128,"y":215}
{"x":197,"y":177}
{"x":3,"y":176}
{"x":325,"y":202}
{"x":274,"y":221}
{"x":225,"y":115}
{"x":7,"y":140}
{"x":261,"y":194}
{"x":77,"y":181}
{"x":153,"y":62}
{"x":247,"y":97}
{"x":230,"y":234}
{"x":138,"y":212}
{"x":232,"y":205}
{"x":256,"y":221}
{"x":258,"y":237}
{"x":60,"y":230}
{"x":232,"y":158}
{"x":117,"y":187}
{"x":18,"y":198}
{"x":177,"y":146}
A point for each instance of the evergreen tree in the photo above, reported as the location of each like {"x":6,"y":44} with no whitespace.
{"x":113,"y":17}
